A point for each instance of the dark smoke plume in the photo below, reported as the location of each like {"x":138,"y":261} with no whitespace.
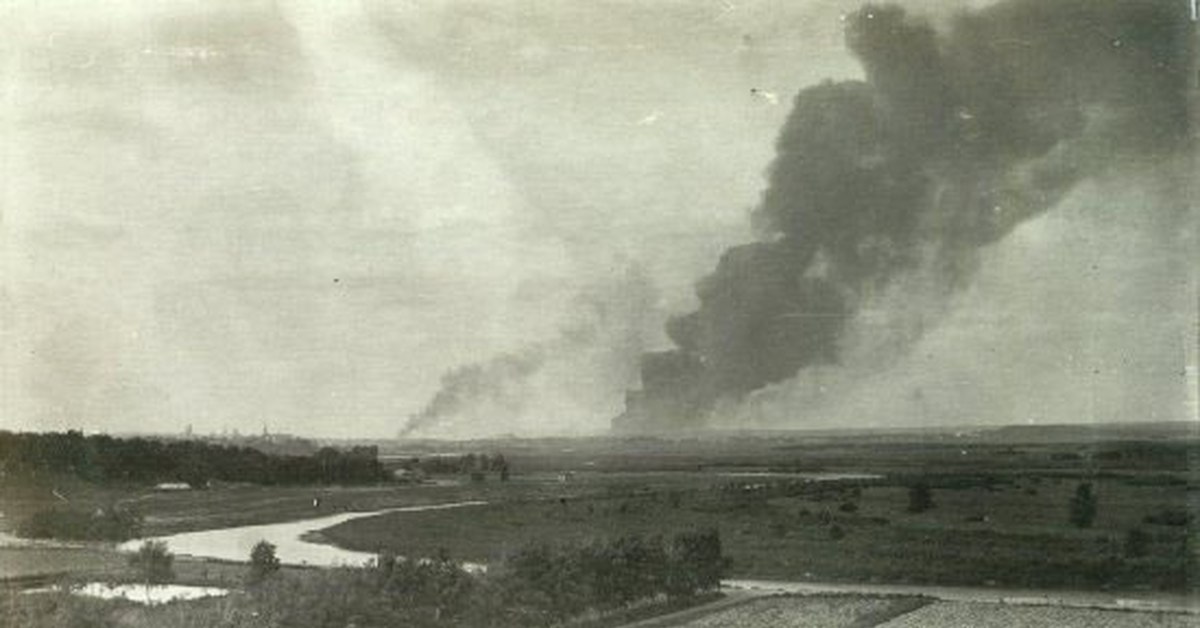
{"x":497,"y":383}
{"x":494,"y":395}
{"x":952,"y":141}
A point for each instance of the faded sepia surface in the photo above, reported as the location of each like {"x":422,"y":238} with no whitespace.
{"x":768,"y":312}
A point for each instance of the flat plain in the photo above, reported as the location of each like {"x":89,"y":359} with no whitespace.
{"x":822,"y":509}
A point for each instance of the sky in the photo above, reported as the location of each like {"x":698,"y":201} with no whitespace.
{"x":300,"y":215}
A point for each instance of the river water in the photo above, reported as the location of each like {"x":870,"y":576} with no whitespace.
{"x":234,"y":544}
{"x":148,"y":594}
{"x":293,"y":548}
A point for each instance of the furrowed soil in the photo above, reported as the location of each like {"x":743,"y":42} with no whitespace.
{"x":809,"y":612}
{"x":976,"y":615}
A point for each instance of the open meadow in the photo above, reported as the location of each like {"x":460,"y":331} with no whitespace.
{"x":999,"y":513}
{"x":929,"y":510}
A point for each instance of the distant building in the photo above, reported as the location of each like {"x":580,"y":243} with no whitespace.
{"x":408,"y":475}
{"x":172,"y":486}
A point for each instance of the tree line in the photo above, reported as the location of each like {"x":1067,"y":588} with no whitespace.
{"x":540,"y":585}
{"x":105,"y":459}
{"x":473,"y":464}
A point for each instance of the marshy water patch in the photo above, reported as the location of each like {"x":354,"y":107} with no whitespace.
{"x":147,"y":594}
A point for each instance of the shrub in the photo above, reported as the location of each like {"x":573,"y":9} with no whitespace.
{"x":544,"y":584}
{"x":836,"y":532}
{"x":263,"y":562}
{"x":1083,"y":506}
{"x":153,"y":562}
{"x":696,"y":563}
{"x":1137,"y":543}
{"x":920,"y":497}
{"x":848,"y":507}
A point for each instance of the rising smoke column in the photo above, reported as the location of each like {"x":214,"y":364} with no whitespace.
{"x":555,"y":384}
{"x":951,"y":142}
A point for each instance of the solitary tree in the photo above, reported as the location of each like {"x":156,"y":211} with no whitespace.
{"x":263,"y":561}
{"x":920,"y":497}
{"x":153,"y":562}
{"x":1083,"y":506}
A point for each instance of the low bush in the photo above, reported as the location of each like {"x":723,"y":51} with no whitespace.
{"x":920,"y":497}
{"x":1169,"y":517}
{"x":263,"y":562}
{"x":1083,"y":505}
{"x":1137,"y":543}
{"x":153,"y":562}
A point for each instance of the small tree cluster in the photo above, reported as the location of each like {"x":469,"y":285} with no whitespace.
{"x":541,"y":585}
{"x":392,"y":592}
{"x":556,"y":583}
{"x":153,"y":562}
{"x":263,"y":562}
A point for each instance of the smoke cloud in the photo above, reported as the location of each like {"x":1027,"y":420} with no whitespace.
{"x":570,"y":379}
{"x":884,"y":192}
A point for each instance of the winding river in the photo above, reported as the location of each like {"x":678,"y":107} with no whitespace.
{"x":293,"y":547}
{"x":289,"y":539}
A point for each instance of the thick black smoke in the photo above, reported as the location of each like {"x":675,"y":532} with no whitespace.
{"x":585,"y":361}
{"x":497,"y":383}
{"x":952,"y":140}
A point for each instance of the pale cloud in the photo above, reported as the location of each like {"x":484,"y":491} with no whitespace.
{"x":232,"y":213}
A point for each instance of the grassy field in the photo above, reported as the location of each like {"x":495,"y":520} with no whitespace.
{"x":1000,"y":515}
{"x":1000,"y":518}
{"x":168,"y":512}
{"x":18,"y":562}
{"x":995,"y":521}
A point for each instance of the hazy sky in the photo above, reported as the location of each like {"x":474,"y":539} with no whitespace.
{"x":300,"y":214}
